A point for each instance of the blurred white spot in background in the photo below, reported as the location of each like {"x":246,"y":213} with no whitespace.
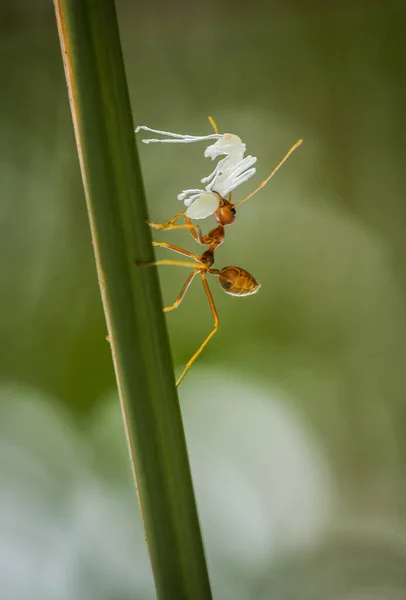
{"x":261,"y":482}
{"x":65,"y":533}
{"x":69,"y":521}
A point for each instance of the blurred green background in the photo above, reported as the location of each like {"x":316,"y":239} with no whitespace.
{"x":295,"y":414}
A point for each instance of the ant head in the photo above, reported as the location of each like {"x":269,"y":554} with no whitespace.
{"x":226,"y":213}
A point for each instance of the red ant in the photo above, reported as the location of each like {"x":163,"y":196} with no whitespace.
{"x":233,"y":280}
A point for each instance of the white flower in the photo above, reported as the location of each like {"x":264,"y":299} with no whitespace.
{"x":201,"y":205}
{"x":231,"y":171}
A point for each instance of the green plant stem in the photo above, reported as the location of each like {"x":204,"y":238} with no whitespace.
{"x":117,"y":210}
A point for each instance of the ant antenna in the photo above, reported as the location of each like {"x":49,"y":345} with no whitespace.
{"x":261,"y":185}
{"x":213,"y":124}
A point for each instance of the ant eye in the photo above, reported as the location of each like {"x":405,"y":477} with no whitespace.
{"x":233,"y":211}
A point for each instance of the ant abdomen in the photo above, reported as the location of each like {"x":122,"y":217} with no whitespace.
{"x":238,"y":282}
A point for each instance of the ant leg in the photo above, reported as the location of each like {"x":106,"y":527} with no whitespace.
{"x":278,"y":166}
{"x":195,"y":230}
{"x":170,"y":224}
{"x":183,"y":291}
{"x":173,"y":262}
{"x":208,"y":338}
{"x":180,"y":263}
{"x":178,"y":250}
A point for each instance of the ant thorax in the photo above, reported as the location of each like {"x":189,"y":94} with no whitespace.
{"x":215,"y":237}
